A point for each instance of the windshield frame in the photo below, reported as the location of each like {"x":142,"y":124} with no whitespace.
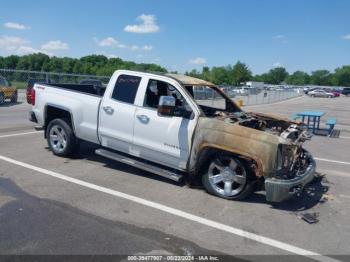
{"x":230,"y":105}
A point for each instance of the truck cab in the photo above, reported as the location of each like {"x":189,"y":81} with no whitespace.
{"x":131,"y":122}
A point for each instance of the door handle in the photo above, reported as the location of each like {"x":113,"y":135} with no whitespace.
{"x":109,"y":110}
{"x":143,"y":118}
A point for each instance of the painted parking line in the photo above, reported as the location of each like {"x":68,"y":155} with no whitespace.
{"x":331,"y":161}
{"x":197,"y":219}
{"x":21,"y":134}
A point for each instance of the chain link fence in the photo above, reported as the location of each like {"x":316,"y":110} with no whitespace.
{"x":248,"y":97}
{"x":269,"y":96}
{"x":20,"y":79}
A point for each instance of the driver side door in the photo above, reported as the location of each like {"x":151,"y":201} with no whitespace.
{"x":164,"y":140}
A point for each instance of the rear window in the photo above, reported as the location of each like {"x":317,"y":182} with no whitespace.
{"x":125,"y":88}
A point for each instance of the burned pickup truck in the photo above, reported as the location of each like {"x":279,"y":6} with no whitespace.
{"x":176,"y":126}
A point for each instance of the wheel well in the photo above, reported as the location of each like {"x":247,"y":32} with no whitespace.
{"x":206,"y":153}
{"x":54,"y":112}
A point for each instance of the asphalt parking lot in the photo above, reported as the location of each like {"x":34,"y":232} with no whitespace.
{"x":90,"y":205}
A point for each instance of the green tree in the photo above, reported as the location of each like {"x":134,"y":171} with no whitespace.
{"x":206,"y":73}
{"x":261,"y":78}
{"x":240,"y":73}
{"x":193,"y":73}
{"x":11,"y":61}
{"x":341,"y":77}
{"x":219,"y":75}
{"x":321,"y":77}
{"x":298,"y":78}
{"x":276,"y":75}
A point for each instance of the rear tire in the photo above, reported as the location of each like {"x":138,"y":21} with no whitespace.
{"x":228,"y":177}
{"x":61,"y":138}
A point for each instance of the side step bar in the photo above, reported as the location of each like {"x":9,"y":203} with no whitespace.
{"x":139,"y":164}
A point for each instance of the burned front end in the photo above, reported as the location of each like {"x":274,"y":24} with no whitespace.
{"x":294,"y":166}
{"x":273,"y":145}
{"x":291,"y":176}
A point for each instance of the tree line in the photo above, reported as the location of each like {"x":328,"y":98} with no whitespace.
{"x":230,"y":75}
{"x":90,"y":65}
{"x":240,"y":73}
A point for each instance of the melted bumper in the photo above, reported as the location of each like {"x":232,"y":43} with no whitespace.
{"x":278,"y":190}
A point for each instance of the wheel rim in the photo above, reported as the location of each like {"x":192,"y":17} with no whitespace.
{"x":58,"y":138}
{"x":227,"y":176}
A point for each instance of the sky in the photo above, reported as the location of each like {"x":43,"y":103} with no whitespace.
{"x":182,"y":35}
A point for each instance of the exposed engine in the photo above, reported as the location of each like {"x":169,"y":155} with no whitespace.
{"x":284,"y":129}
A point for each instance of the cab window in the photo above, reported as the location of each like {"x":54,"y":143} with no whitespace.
{"x":125,"y":88}
{"x":156,"y":89}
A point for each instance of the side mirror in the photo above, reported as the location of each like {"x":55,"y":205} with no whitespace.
{"x":166,"y":106}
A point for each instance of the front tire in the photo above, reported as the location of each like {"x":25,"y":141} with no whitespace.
{"x":61,"y":138}
{"x":227,"y":177}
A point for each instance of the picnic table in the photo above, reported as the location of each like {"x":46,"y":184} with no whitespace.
{"x":313,"y":119}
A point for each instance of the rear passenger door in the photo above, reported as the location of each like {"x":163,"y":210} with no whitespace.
{"x":117,"y":112}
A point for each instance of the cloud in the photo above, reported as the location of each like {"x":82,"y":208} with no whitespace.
{"x":26,"y":50}
{"x":198,"y":61}
{"x":111,"y":56}
{"x":277,"y":64}
{"x":279,"y":37}
{"x":346,"y":37}
{"x":108,"y":41}
{"x":147,"y":48}
{"x":148,"y":25}
{"x":16,"y":26}
{"x":55,"y":45}
{"x":112,"y":42}
{"x":133,"y":47}
{"x":11,"y":43}
{"x":19,"y":46}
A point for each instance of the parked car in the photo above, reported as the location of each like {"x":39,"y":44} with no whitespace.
{"x":346,"y":91}
{"x":243,"y":91}
{"x":320,"y":93}
{"x":309,"y":89}
{"x":228,"y":91}
{"x":203,"y":93}
{"x":154,"y":122}
{"x":30,"y":85}
{"x":333,"y":91}
{"x":336,"y":94}
{"x":7,"y":91}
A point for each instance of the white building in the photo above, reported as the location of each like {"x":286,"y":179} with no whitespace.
{"x":253,"y":84}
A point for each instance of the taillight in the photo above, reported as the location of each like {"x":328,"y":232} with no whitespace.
{"x":29,"y":94}
{"x":32,"y":98}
